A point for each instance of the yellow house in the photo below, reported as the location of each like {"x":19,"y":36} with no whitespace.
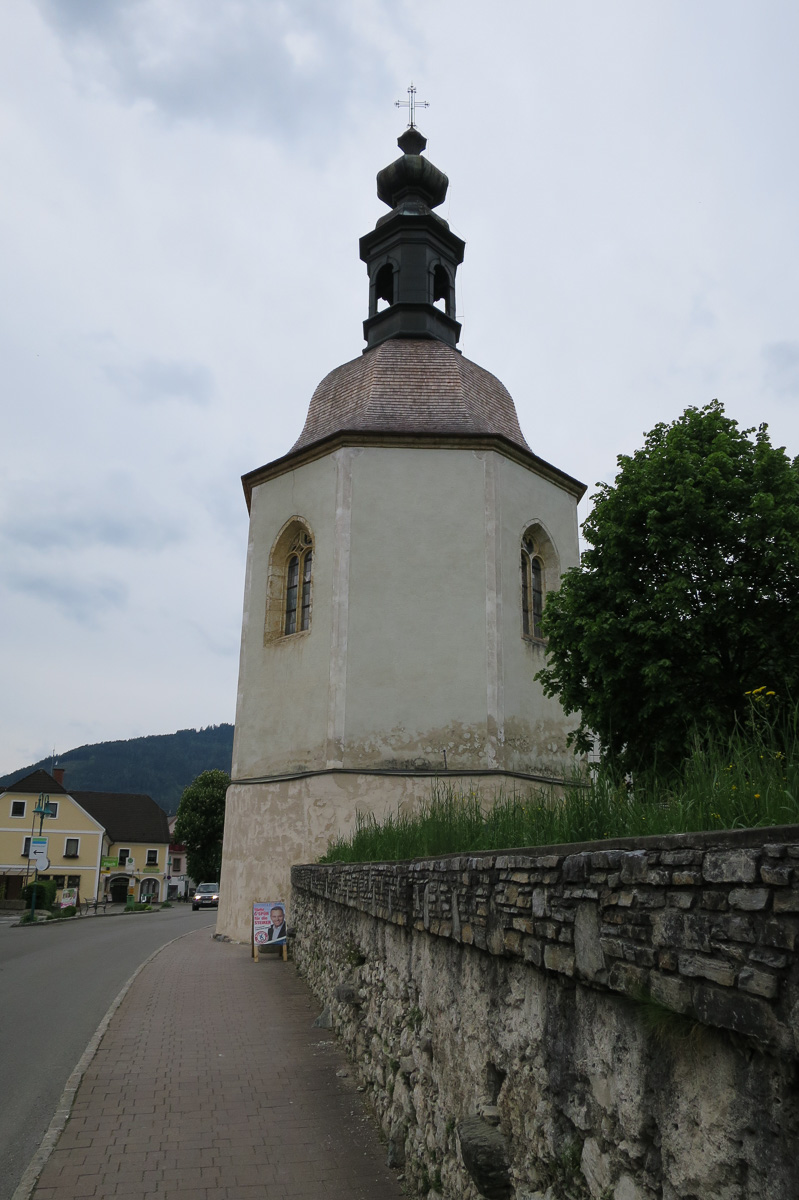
{"x":101,"y":843}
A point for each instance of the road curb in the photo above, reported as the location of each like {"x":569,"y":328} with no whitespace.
{"x":30,"y":1176}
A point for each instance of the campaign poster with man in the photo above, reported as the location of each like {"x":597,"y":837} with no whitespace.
{"x":268,"y":923}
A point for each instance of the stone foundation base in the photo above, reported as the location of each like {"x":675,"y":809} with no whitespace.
{"x":271,"y":825}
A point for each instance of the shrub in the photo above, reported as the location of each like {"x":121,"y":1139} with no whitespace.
{"x":45,"y":893}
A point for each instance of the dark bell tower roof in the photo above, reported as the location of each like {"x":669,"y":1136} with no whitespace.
{"x":411,"y":255}
{"x":411,"y":385}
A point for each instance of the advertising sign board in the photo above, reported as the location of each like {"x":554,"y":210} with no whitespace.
{"x":39,"y":853}
{"x":69,"y":898}
{"x":268,"y":924}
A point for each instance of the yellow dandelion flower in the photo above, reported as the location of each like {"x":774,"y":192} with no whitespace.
{"x":757,"y":795}
{"x":771,"y":693}
{"x":757,"y":691}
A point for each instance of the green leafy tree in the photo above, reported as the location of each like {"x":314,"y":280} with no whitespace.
{"x":688,"y":596}
{"x":201,"y":823}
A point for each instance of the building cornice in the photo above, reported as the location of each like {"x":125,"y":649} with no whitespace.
{"x":411,"y":441}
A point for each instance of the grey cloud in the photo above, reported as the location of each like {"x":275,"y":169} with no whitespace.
{"x":258,"y":66}
{"x":781,"y":361}
{"x":83,"y":601}
{"x":78,"y":530}
{"x":156,"y":380}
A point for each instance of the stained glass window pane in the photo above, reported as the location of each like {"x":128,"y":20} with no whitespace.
{"x":305,"y":617}
{"x":291,"y":594}
{"x":538,"y":595}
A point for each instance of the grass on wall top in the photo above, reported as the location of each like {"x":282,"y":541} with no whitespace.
{"x":750,"y":779}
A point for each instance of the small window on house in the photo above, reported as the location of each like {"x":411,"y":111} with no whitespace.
{"x":152,"y":858}
{"x":73,"y":881}
{"x":53,"y":807}
{"x":123,"y":857}
{"x":26,"y":848}
{"x":176,"y":866}
{"x":58,"y":880}
{"x":17,"y":808}
{"x":532,"y":588}
{"x":71,"y":847}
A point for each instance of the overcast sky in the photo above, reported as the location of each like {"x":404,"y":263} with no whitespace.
{"x":183,"y":186}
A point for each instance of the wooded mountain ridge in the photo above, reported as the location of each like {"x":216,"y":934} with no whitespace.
{"x":160,"y":765}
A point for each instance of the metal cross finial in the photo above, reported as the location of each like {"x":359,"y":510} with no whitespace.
{"x":411,"y":104}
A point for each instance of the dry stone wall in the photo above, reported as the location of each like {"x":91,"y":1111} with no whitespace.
{"x":609,"y":1021}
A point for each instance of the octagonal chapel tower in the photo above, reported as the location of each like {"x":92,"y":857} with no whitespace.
{"x":399,"y":557}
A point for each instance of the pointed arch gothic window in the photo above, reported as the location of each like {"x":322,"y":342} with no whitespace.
{"x":540,"y":572}
{"x":289,"y":582}
{"x":298,"y":585}
{"x":532,"y":588}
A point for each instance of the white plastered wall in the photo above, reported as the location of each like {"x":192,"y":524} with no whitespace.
{"x":414,"y":658}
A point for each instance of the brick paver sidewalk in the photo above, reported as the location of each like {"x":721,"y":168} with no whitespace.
{"x":211,"y":1084}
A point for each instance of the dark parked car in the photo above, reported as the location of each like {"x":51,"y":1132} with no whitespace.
{"x":206,"y":896}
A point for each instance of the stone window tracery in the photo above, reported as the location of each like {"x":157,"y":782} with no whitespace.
{"x":289,"y":582}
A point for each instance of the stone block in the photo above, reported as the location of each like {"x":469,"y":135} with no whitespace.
{"x":667,"y":960}
{"x":612,"y":947}
{"x":769,"y":958}
{"x":680,"y":858}
{"x":605,"y":859}
{"x":758,"y":983}
{"x":628,"y":978}
{"x":786,"y":902}
{"x":684,"y":900}
{"x":774,"y":850}
{"x":778,"y":933}
{"x":559,"y":958}
{"x":596,"y":1167}
{"x":634,"y":866}
{"x":576,"y":868}
{"x":671,"y":991}
{"x":739,"y":929}
{"x":588,"y":954}
{"x":532,"y":951}
{"x":539,"y":902}
{"x":731,"y":1010}
{"x":703,"y":967}
{"x":485,"y":1156}
{"x":715,"y":901}
{"x":749,"y":899}
{"x":730,"y":866}
{"x":686,"y":878}
{"x":512,"y":942}
{"x":776,"y":876}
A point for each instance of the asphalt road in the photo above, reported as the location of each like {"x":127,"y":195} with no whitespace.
{"x":56,"y":984}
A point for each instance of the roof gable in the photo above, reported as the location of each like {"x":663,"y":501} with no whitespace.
{"x":126,"y":817}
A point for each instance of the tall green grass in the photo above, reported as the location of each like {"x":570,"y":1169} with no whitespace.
{"x":749,"y":779}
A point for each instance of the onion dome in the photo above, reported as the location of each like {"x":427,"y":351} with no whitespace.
{"x":411,"y":254}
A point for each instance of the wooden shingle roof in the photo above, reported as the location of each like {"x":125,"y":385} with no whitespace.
{"x":411,"y":386}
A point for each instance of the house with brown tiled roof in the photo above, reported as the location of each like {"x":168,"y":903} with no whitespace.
{"x":102,"y":843}
{"x":399,"y":560}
